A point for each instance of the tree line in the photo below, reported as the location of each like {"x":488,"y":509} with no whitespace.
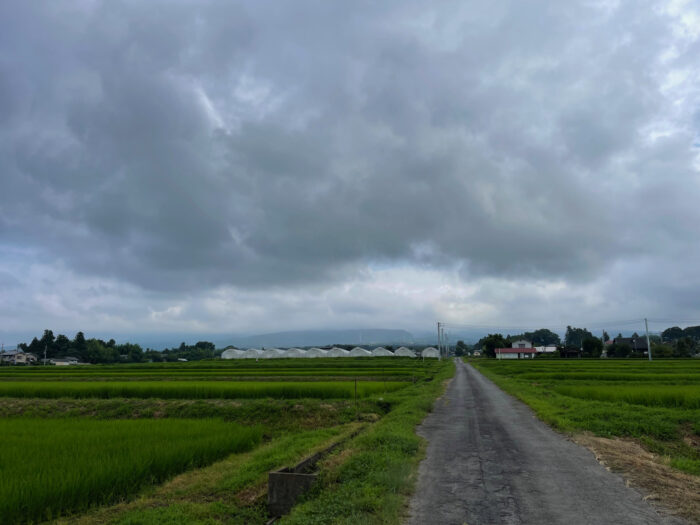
{"x":97,"y":351}
{"x":580,"y":342}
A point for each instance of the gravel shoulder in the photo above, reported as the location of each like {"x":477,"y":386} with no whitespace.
{"x":491,"y":461}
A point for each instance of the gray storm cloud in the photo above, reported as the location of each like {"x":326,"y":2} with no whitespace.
{"x":185,"y":146}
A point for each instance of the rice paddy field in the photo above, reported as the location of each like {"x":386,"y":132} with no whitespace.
{"x":655,"y":403}
{"x":193,"y":442}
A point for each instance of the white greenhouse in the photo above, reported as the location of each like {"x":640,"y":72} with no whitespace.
{"x":430,"y":352}
{"x":359,"y":352}
{"x":232,"y":353}
{"x":337,"y":352}
{"x":295,"y":352}
{"x":252,"y":353}
{"x":272,"y":353}
{"x":380,"y":351}
{"x":316,"y":352}
{"x":404,"y":352}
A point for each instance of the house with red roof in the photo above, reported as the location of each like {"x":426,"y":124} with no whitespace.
{"x":521,"y":349}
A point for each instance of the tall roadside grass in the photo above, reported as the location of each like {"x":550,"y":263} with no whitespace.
{"x":53,"y":467}
{"x":196,"y":389}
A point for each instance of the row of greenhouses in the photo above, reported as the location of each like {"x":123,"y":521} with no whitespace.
{"x":276,"y":353}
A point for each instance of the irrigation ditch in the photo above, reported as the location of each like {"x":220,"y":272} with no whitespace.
{"x":286,"y":485}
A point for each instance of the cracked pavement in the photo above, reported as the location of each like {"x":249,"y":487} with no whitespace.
{"x":491,"y":461}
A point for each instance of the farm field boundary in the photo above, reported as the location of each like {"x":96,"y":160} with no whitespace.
{"x":196,"y":389}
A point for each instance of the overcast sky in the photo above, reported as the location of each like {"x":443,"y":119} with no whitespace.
{"x":219,"y":166}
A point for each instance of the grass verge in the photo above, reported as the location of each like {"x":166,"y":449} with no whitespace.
{"x":370,"y":480}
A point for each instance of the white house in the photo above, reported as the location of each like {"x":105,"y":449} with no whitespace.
{"x":515,"y":353}
{"x":65,"y":361}
{"x":17,"y":357}
{"x":521,"y":343}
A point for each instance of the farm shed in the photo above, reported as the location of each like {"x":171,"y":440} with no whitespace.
{"x":359,"y":352}
{"x":430,"y":352}
{"x":316,"y":352}
{"x":515,"y":353}
{"x":337,"y":352}
{"x":380,"y":351}
{"x":404,"y":352}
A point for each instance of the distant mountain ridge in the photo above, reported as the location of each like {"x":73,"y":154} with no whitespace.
{"x":325,"y":337}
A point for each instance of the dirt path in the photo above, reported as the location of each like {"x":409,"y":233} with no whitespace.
{"x":491,"y":461}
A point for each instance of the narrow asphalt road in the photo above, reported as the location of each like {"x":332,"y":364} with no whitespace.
{"x":490,"y":461}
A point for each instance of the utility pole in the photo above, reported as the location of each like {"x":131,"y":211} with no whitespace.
{"x":604,"y":351}
{"x":438,"y":328}
{"x":444,"y":342}
{"x":646,"y":326}
{"x":45,"y":346}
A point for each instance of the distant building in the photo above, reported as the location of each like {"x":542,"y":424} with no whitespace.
{"x":515,"y":353}
{"x":521,"y":343}
{"x":546,"y":349}
{"x":637,"y":344}
{"x":64,"y":361}
{"x":17,"y":357}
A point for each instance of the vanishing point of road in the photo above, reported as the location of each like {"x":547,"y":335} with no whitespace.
{"x":490,"y":461}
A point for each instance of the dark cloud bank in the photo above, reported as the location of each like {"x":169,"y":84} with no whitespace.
{"x":180,"y":148}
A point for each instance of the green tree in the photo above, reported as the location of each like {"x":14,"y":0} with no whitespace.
{"x":543,"y":337}
{"x":673,"y":333}
{"x":684,"y":347}
{"x":489,"y":344}
{"x":62,"y":345}
{"x":36,"y":348}
{"x":461,"y":349}
{"x":592,"y":347}
{"x":48,"y":342}
{"x":575,"y":336}
{"x":620,"y":350}
{"x":662,"y":350}
{"x":79,"y":346}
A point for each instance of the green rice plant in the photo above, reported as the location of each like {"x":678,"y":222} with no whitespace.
{"x":54,"y":467}
{"x":685,"y":396}
{"x":196,"y":389}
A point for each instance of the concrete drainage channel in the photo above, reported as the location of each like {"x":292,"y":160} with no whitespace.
{"x":285,"y":486}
